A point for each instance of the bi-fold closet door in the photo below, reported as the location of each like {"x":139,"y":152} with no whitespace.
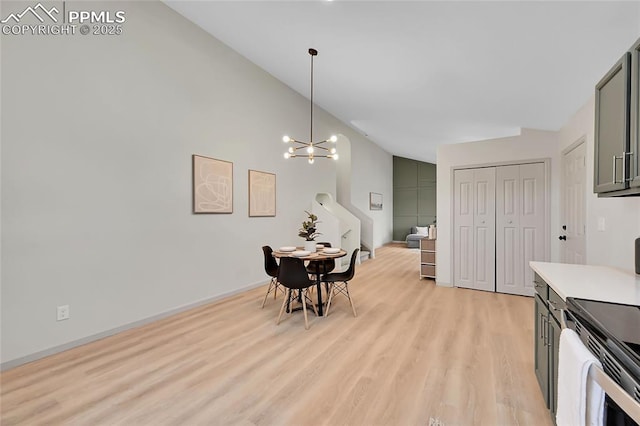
{"x":499,"y":226}
{"x":474,"y":233}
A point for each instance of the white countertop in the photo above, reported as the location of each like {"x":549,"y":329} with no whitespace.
{"x":590,"y":282}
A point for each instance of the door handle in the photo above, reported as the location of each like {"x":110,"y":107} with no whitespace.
{"x":615,"y":168}
{"x":562,"y":237}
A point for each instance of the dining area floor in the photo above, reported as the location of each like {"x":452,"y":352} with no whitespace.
{"x":415,"y":354}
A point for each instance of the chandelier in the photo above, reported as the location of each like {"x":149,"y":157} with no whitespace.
{"x":310,"y":149}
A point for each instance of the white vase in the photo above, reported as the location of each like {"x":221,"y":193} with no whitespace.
{"x":310,"y":246}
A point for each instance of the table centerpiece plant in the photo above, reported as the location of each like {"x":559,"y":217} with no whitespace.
{"x":309,"y":231}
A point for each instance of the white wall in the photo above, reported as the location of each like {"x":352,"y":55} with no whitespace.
{"x":529,"y":145}
{"x":366,"y":170}
{"x":615,"y":246}
{"x":97,"y":137}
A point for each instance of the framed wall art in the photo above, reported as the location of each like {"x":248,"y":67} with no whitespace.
{"x":212,"y":185}
{"x":375,"y":201}
{"x":262,"y":194}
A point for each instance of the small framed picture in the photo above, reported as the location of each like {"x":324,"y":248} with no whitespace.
{"x":262,"y":194}
{"x":375,"y":201}
{"x":212,"y":185}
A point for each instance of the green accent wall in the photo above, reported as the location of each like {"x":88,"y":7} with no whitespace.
{"x":414,"y":195}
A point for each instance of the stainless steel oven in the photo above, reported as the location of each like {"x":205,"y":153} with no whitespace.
{"x":611,"y":331}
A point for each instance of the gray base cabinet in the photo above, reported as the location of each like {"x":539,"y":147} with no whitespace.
{"x":541,"y":350}
{"x":548,"y":306}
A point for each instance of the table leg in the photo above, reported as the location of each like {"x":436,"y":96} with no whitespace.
{"x":319,"y":287}
{"x":319,"y":291}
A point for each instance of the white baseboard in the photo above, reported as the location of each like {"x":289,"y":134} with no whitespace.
{"x":83,"y":341}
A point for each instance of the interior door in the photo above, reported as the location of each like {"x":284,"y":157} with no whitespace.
{"x":520,"y":226}
{"x":573,"y":232}
{"x":508,"y":243}
{"x":474,"y":228}
{"x":484,"y":226}
{"x":463,"y":229}
{"x":532,"y":222}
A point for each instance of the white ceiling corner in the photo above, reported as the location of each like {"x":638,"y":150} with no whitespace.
{"x":416,"y":74}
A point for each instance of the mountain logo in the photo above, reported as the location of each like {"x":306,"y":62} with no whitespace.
{"x":38,"y":11}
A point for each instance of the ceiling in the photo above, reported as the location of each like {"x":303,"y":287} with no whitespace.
{"x":412,"y":75}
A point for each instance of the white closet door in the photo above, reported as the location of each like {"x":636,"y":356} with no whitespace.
{"x":474,"y":232}
{"x":485,"y":228}
{"x":508,"y":253}
{"x":463,"y":230}
{"x":520,"y":230}
{"x":532,"y":220}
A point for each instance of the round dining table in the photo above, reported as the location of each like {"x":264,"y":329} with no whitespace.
{"x":316,"y":258}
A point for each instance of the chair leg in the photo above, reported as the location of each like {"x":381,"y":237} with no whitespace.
{"x":331,"y":293}
{"x":269,"y":291}
{"x":346,"y":287}
{"x":313,"y":305}
{"x":304,"y":308}
{"x":284,"y":303}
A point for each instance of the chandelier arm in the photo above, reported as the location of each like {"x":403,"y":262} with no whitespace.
{"x":303,"y":143}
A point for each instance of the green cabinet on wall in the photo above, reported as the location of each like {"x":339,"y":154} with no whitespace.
{"x":617,"y":128}
{"x":414,"y":195}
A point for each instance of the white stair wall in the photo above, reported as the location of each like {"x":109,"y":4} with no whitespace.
{"x":337,"y":225}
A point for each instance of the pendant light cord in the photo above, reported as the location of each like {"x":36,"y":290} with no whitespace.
{"x":311,"y":131}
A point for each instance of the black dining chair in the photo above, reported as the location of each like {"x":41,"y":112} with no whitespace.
{"x":271,"y":268}
{"x":339,"y":282}
{"x":293,"y":275}
{"x":321,"y":266}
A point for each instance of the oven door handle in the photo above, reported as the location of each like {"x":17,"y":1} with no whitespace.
{"x":563,"y":318}
{"x":629,"y":405}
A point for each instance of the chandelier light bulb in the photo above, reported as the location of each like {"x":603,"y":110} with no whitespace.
{"x":335,"y":156}
{"x":311,"y":160}
{"x":333,"y":139}
{"x":286,"y":139}
{"x":310,"y":150}
{"x":291,"y":150}
{"x":333,"y":150}
{"x":287,"y":155}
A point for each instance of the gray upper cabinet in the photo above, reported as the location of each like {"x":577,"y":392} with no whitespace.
{"x":634,"y":152}
{"x":617,"y":129}
{"x":612,"y":130}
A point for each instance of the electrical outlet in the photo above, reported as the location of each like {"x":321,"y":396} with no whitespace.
{"x":63,"y":312}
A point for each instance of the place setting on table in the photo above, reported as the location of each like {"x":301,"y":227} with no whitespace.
{"x":321,"y":252}
{"x":320,"y":257}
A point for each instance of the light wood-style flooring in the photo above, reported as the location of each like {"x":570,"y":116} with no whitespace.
{"x":416,"y":354}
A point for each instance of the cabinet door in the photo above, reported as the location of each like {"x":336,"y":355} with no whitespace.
{"x":554,"y":345}
{"x":634,"y":155}
{"x":541,"y":352}
{"x":612,"y":128}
